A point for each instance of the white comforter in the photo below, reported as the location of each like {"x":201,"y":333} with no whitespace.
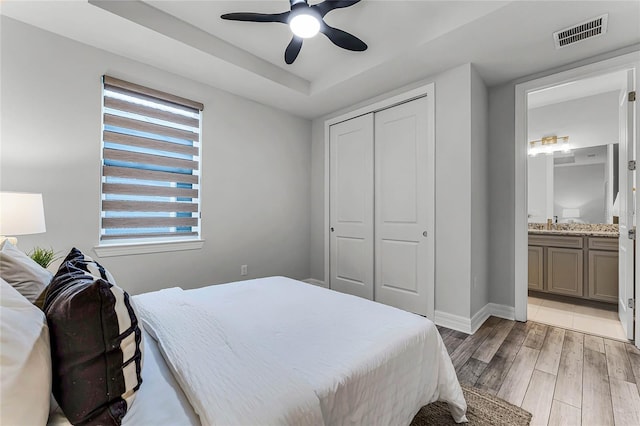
{"x":278,"y":351}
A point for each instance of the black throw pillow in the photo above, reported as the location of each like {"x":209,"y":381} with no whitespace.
{"x":96,"y":343}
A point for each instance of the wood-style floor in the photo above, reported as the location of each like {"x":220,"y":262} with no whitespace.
{"x":560,"y":376}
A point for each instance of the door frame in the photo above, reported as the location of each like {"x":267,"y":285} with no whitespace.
{"x":619,"y":63}
{"x":428,"y":91}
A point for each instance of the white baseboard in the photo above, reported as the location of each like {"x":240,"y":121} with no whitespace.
{"x":454,"y":322}
{"x":502,"y":311}
{"x":471,"y":325}
{"x":315,"y":282}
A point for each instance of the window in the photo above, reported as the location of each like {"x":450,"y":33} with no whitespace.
{"x":150,"y":165}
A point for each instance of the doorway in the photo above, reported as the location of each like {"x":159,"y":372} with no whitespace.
{"x":573,"y":202}
{"x":569,"y":188}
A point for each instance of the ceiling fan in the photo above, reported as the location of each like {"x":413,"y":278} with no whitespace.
{"x":306,"y":21}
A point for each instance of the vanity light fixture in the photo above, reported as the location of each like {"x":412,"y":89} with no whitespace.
{"x":549,"y":145}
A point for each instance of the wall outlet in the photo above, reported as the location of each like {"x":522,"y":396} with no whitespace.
{"x":243,"y":270}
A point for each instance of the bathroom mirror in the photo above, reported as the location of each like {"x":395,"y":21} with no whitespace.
{"x":578,"y":186}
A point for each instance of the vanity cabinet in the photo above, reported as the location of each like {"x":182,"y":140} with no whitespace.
{"x":603,"y":269}
{"x":536,"y":268}
{"x":564,"y":271}
{"x":578,"y":266}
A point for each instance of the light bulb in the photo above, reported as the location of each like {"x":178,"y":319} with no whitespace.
{"x":304,"y":25}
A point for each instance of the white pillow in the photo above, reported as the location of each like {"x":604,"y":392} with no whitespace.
{"x":22,"y":272}
{"x":25,"y":360}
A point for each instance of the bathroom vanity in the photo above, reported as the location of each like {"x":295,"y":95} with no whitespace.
{"x":581,"y":262}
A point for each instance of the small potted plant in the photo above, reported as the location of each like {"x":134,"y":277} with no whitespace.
{"x":42,"y":256}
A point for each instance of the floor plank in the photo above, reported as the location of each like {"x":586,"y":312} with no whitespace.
{"x":634,"y":359}
{"x":451,"y":343}
{"x":459,"y":334}
{"x":626,"y":402}
{"x":539,"y":397}
{"x":596,"y":396}
{"x":463,"y":352}
{"x":536,"y":335}
{"x":618,"y":363}
{"x":564,"y":415}
{"x":517,"y":380}
{"x":493,"y":376}
{"x":569,"y":382}
{"x":492,"y":343}
{"x":594,"y":343}
{"x":549,"y":358}
{"x":470,"y":371}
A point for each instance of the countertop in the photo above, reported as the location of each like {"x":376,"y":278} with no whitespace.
{"x":574,"y":233}
{"x":575,"y":229}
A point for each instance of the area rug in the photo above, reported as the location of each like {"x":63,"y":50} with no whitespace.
{"x":483,"y":409}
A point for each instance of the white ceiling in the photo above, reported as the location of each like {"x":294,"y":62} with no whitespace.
{"x":408,"y":41}
{"x":610,"y":82}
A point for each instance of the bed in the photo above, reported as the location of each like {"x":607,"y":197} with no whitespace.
{"x":279,"y":351}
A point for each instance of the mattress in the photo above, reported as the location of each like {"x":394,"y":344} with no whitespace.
{"x":367,"y":363}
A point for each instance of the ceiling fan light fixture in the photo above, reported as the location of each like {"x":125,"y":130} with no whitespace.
{"x":304,"y":25}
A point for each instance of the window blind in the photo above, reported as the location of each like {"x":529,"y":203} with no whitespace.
{"x":150,"y":164}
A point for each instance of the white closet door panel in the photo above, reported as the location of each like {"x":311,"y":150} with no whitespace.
{"x":397,"y":170}
{"x":404,"y":206}
{"x":351,"y":206}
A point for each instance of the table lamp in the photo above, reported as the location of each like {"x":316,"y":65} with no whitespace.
{"x":20,"y":214}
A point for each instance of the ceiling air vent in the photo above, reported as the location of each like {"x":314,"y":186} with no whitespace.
{"x":592,"y":28}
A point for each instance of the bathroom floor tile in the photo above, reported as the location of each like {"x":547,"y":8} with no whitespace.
{"x":586,"y":319}
{"x":562,"y":306}
{"x":554,"y":316}
{"x":535,"y":301}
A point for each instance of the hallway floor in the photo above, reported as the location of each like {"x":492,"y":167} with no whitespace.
{"x":585,"y":319}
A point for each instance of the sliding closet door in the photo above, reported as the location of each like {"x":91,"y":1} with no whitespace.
{"x":404,"y":210}
{"x":351,"y":206}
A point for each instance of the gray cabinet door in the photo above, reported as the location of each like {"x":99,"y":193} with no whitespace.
{"x":536,"y":274}
{"x":603,"y":275}
{"x":565,"y":271}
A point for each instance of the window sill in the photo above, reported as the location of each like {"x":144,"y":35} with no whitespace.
{"x":146,"y":248}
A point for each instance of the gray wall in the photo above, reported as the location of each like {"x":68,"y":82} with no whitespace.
{"x":479,"y":193}
{"x":460,"y":142}
{"x":589,"y":121}
{"x":502,"y":194}
{"x":256,"y":164}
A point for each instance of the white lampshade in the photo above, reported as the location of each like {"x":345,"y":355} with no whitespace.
{"x":21,"y":213}
{"x":575,"y":213}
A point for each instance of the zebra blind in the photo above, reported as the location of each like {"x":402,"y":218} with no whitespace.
{"x":150,"y":164}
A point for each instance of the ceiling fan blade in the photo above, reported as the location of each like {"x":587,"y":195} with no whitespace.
{"x":343,"y":39}
{"x":257,"y":17}
{"x":328,"y":5}
{"x":291,"y":53}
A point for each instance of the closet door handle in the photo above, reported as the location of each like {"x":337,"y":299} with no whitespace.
{"x":332,"y":229}
{"x":424,"y":234}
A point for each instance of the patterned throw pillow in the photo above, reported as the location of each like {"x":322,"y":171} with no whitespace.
{"x":96,"y":342}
